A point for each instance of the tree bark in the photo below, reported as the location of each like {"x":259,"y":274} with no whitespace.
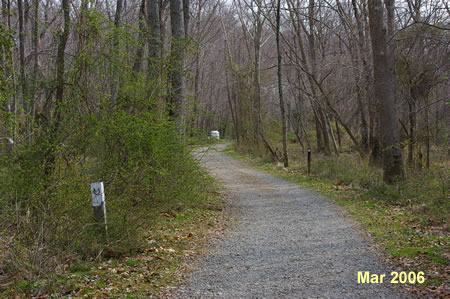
{"x":116,"y":51}
{"x":280,"y":89}
{"x":4,"y":13}
{"x":186,"y":17}
{"x":137,"y":66}
{"x":154,"y":38}
{"x":412,"y":131}
{"x":35,"y":39}
{"x":22,"y":53}
{"x":338,"y":131}
{"x":60,"y":62}
{"x":312,"y":77}
{"x":427,"y":137}
{"x":176,"y":109}
{"x":257,"y":118}
{"x":384,"y":86}
{"x":229,"y":65}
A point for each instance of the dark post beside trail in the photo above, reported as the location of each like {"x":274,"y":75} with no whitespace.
{"x":309,"y":161}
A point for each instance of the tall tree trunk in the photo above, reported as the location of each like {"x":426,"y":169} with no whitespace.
{"x":427,"y":137}
{"x":412,"y":130}
{"x":312,"y":77}
{"x":229,"y":65}
{"x":360,"y":24}
{"x":116,"y":51}
{"x":257,"y":118}
{"x":333,"y":139}
{"x":384,"y":86}
{"x":280,"y":89}
{"x":362,"y":27}
{"x":177,"y":68}
{"x":8,"y":9}
{"x":35,"y":52}
{"x":364,"y":131}
{"x":195,"y":109}
{"x":53,"y":126}
{"x":137,"y":66}
{"x":289,"y":122}
{"x":60,"y":62}
{"x":22,"y":54}
{"x":338,"y":131}
{"x":7,"y":65}
{"x":5,"y":13}
{"x":390,"y":43}
{"x":319,"y":137}
{"x":186,"y":17}
{"x":154,"y":38}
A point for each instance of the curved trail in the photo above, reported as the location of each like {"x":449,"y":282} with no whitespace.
{"x":286,"y":242}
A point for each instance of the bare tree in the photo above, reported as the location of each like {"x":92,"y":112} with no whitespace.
{"x":137,"y":66}
{"x":60,"y":61}
{"x":186,"y":17}
{"x":384,"y":86}
{"x":177,"y":69}
{"x":22,"y":80}
{"x":280,"y":87}
{"x":154,"y":37}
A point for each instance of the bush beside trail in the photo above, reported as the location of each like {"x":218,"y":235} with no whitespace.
{"x":46,"y":219}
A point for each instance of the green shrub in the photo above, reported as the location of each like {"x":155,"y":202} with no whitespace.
{"x":145,"y":167}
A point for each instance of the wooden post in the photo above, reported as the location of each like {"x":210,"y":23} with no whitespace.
{"x":309,"y":161}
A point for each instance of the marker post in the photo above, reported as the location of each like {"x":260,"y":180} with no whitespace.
{"x":99,"y":204}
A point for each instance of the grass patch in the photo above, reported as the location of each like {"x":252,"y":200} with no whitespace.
{"x":80,"y":268}
{"x":409,"y":222}
{"x":132,"y":263}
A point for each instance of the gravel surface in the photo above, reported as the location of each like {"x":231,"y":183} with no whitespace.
{"x":286,"y":242}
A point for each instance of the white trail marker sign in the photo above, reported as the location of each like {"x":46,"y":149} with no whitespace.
{"x":99,"y":203}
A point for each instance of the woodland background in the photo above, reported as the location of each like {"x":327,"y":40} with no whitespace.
{"x":118,"y":91}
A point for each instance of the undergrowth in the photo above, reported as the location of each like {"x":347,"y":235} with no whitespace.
{"x":46,"y":216}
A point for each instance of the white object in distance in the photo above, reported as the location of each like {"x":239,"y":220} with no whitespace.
{"x":215,"y":134}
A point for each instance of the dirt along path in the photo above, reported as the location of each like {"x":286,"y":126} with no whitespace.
{"x":285,"y":242}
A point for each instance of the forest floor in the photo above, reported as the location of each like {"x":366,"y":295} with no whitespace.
{"x":285,"y":241}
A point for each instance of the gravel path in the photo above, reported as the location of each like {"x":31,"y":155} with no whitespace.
{"x":286,"y":242}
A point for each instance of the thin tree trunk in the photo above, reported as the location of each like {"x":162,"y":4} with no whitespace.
{"x":289,"y":124}
{"x":177,"y":68}
{"x":137,"y":66}
{"x":385,"y":94}
{"x":338,"y":131}
{"x":319,"y":137}
{"x":116,"y":51}
{"x":364,"y":131}
{"x":4,"y":13}
{"x":362,"y":54}
{"x":154,"y":38}
{"x":228,"y":65}
{"x":280,"y":90}
{"x":313,"y":78}
{"x":35,"y":48}
{"x":186,"y":17}
{"x":195,"y":118}
{"x":412,"y":131}
{"x":50,"y":154}
{"x":60,"y":62}
{"x":427,"y":137}
{"x":336,"y":150}
{"x":22,"y":54}
{"x":257,"y":119}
